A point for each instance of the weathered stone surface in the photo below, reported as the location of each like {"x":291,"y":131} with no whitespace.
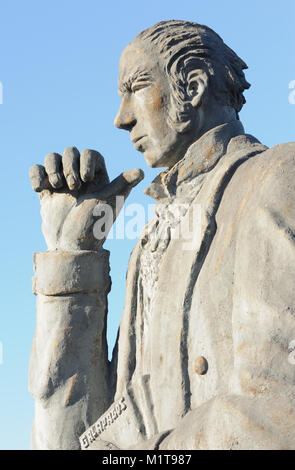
{"x":201,"y":360}
{"x":63,"y":272}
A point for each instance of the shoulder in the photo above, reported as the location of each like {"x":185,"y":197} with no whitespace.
{"x":263,"y":183}
{"x":271,"y":172}
{"x":275,"y":158}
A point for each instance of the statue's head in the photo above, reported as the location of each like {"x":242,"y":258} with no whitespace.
{"x":177,"y":80}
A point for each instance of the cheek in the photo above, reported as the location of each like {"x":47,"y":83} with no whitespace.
{"x":157,"y":102}
{"x":152,"y":105}
{"x":156,"y":109}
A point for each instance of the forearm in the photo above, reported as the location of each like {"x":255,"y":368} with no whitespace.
{"x":69,"y":364}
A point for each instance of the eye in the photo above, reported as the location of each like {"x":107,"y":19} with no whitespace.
{"x":137,"y":86}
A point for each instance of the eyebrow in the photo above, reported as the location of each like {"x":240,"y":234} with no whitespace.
{"x":138,"y":75}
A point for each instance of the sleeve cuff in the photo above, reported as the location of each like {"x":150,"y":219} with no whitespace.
{"x":60,"y":273}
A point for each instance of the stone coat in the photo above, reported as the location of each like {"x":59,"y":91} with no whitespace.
{"x":202,"y":359}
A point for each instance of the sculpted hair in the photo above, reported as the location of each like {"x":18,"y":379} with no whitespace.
{"x":184,"y":47}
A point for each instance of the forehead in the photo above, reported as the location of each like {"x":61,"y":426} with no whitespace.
{"x":136,"y":58}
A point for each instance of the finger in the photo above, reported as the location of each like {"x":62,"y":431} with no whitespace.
{"x":122,"y":185}
{"x":70,"y":163}
{"x":38,"y":177}
{"x":133,"y":177}
{"x":92,"y":167}
{"x":53,"y":167}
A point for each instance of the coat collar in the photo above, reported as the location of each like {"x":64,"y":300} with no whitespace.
{"x":199,"y":159}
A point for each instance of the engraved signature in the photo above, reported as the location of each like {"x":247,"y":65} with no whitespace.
{"x":102,"y":423}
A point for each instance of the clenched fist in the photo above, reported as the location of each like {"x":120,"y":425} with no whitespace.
{"x":72,"y":187}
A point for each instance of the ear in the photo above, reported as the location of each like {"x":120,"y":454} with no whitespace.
{"x":197,"y":86}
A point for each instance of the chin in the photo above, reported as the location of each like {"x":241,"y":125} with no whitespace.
{"x":150,"y":160}
{"x":155,"y":161}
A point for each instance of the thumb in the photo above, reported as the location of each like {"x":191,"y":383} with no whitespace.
{"x":122,"y":185}
{"x":114,"y":194}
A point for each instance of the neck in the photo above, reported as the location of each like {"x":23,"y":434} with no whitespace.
{"x":214,"y":116}
{"x":206,"y":120}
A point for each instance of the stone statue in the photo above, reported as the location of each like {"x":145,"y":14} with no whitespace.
{"x":202,"y":359}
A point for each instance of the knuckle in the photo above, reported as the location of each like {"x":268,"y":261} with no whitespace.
{"x":37,"y":170}
{"x":87,"y":165}
{"x":37,"y":176}
{"x":52,"y":162}
{"x":70,"y":161}
{"x":73,"y":182}
{"x":71,"y":154}
{"x":71,"y":149}
{"x":56,"y":180}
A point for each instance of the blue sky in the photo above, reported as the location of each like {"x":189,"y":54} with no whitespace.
{"x":59,"y":68}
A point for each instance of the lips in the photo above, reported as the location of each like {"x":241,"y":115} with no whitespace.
{"x":136,"y":139}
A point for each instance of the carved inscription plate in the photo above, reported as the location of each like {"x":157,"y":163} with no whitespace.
{"x":106,"y":420}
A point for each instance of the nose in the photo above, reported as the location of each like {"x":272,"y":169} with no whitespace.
{"x":125,"y":118}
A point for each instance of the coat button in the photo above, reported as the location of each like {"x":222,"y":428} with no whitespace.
{"x":201,"y":365}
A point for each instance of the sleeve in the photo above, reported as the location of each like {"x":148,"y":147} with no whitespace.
{"x":68,"y":375}
{"x":258,"y":412}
